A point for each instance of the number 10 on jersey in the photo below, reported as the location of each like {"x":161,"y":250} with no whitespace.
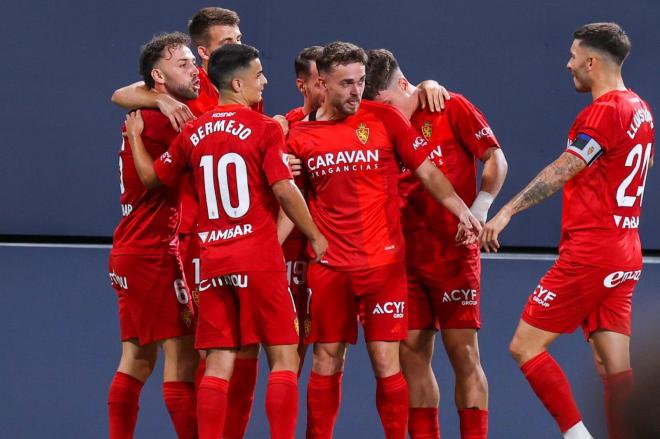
{"x":243,"y":194}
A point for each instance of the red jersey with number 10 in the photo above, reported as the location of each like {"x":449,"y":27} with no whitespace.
{"x":602,"y":204}
{"x":150,"y":218}
{"x":353,"y":167}
{"x":236,"y":155}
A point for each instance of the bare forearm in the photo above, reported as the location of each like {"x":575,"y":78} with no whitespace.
{"x":134,"y":96}
{"x":494,"y":172}
{"x":284,"y":227}
{"x":440,"y":188}
{"x":546,"y":183}
{"x":144,"y":164}
{"x":294,"y":206}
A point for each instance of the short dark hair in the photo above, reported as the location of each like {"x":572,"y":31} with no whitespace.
{"x":381,"y":67}
{"x":304,"y":59}
{"x":606,"y":37}
{"x":340,"y":53}
{"x":228,"y":58}
{"x":153,"y":51}
{"x":201,"y":22}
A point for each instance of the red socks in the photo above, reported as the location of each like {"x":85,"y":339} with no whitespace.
{"x":123,"y":399}
{"x":180,"y":401}
{"x":551,"y":386}
{"x":423,"y":423}
{"x":211,"y":407}
{"x":323,"y":400}
{"x":282,"y":404}
{"x":474,"y":423}
{"x":392,"y":404}
{"x":618,"y":388}
{"x":240,"y":397}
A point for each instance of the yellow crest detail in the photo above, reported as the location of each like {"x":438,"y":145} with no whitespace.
{"x":362,"y":133}
{"x":308,"y":327}
{"x":427,"y":130}
{"x":296,"y":325}
{"x":187,"y":317}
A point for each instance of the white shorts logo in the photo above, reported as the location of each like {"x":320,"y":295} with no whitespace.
{"x":543,"y":296}
{"x":394,"y":308}
{"x":619,"y":277}
{"x":465,"y":297}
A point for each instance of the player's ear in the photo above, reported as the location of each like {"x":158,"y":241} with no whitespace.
{"x":158,"y":76}
{"x":236,"y":85}
{"x":402,"y":83}
{"x":203,"y":53}
{"x":322,"y":83}
{"x":300,"y":85}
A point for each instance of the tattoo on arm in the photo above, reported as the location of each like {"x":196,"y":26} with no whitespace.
{"x":547,"y":182}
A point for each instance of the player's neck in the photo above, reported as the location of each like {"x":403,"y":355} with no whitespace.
{"x":412,"y":104}
{"x":607,"y":84}
{"x":160,"y":88}
{"x":329,"y":112}
{"x":308,"y":106}
{"x":228,"y":98}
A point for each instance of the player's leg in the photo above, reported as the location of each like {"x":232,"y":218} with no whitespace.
{"x":382,"y":295}
{"x":268,"y":316}
{"x":529,"y":349}
{"x":471,"y":391}
{"x":416,"y":353}
{"x":241,"y":392}
{"x":135,"y":366}
{"x":612,"y":355}
{"x":282,"y":390}
{"x":333,"y":324}
{"x":456,"y":294}
{"x":213,"y":390}
{"x":180,"y":365}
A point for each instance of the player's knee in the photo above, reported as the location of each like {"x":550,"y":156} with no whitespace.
{"x":464,"y":358}
{"x":385,"y":362}
{"x":328,"y":360}
{"x":522,"y":352}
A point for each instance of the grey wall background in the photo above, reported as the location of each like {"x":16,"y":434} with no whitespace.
{"x":62,"y":60}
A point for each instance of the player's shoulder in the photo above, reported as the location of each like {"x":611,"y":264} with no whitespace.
{"x":156,"y":125}
{"x":388,"y":114}
{"x":295,"y":115}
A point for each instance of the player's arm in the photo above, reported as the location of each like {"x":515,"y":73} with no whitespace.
{"x":546,"y":183}
{"x":144,"y":164}
{"x":441,"y":189}
{"x":138,"y":95}
{"x":284,"y":226}
{"x":432,"y":95}
{"x":293,"y":204}
{"x":492,"y":179}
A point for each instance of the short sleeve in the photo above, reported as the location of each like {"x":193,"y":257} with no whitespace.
{"x":599,"y":122}
{"x":173,"y":162}
{"x":411,"y":148}
{"x":471,"y":126}
{"x":275,"y":164}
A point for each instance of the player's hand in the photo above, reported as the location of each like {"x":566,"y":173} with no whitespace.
{"x":320,"y":246}
{"x":177,"y":112}
{"x":492,"y":230}
{"x":295,"y":164}
{"x":468,"y":228}
{"x":283,"y":123}
{"x":433,"y":95}
{"x":134,"y":124}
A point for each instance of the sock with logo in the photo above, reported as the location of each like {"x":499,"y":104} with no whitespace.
{"x":474,"y":423}
{"x":552,"y":388}
{"x":211,"y":407}
{"x":323,"y":400}
{"x":423,"y":423}
{"x":618,"y":388}
{"x":282,"y":404}
{"x":392,"y":405}
{"x":123,"y":399}
{"x":240,"y":397}
{"x":180,"y":401}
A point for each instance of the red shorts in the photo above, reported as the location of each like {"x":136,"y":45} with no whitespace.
{"x":445,"y":294}
{"x":154,"y":302}
{"x":296,"y":271}
{"x":246,"y":308}
{"x":189,"y":248}
{"x":376,"y":295}
{"x":571,"y":295}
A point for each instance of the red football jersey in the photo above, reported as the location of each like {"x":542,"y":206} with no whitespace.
{"x":295,"y":115}
{"x":208,"y":98}
{"x":236,"y":155}
{"x":352,"y":168}
{"x":614,"y":135}
{"x":295,"y":238}
{"x":150,"y":217}
{"x":457,"y":137}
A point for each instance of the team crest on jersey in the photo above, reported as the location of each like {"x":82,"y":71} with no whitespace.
{"x":427,"y":130}
{"x":187,"y":317}
{"x":362,"y":133}
{"x":296,"y":325}
{"x":308,"y":327}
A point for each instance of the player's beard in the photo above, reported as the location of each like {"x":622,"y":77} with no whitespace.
{"x":350,"y":106}
{"x":182,"y":92}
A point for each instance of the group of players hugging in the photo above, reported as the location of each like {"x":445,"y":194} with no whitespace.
{"x":382,"y":224}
